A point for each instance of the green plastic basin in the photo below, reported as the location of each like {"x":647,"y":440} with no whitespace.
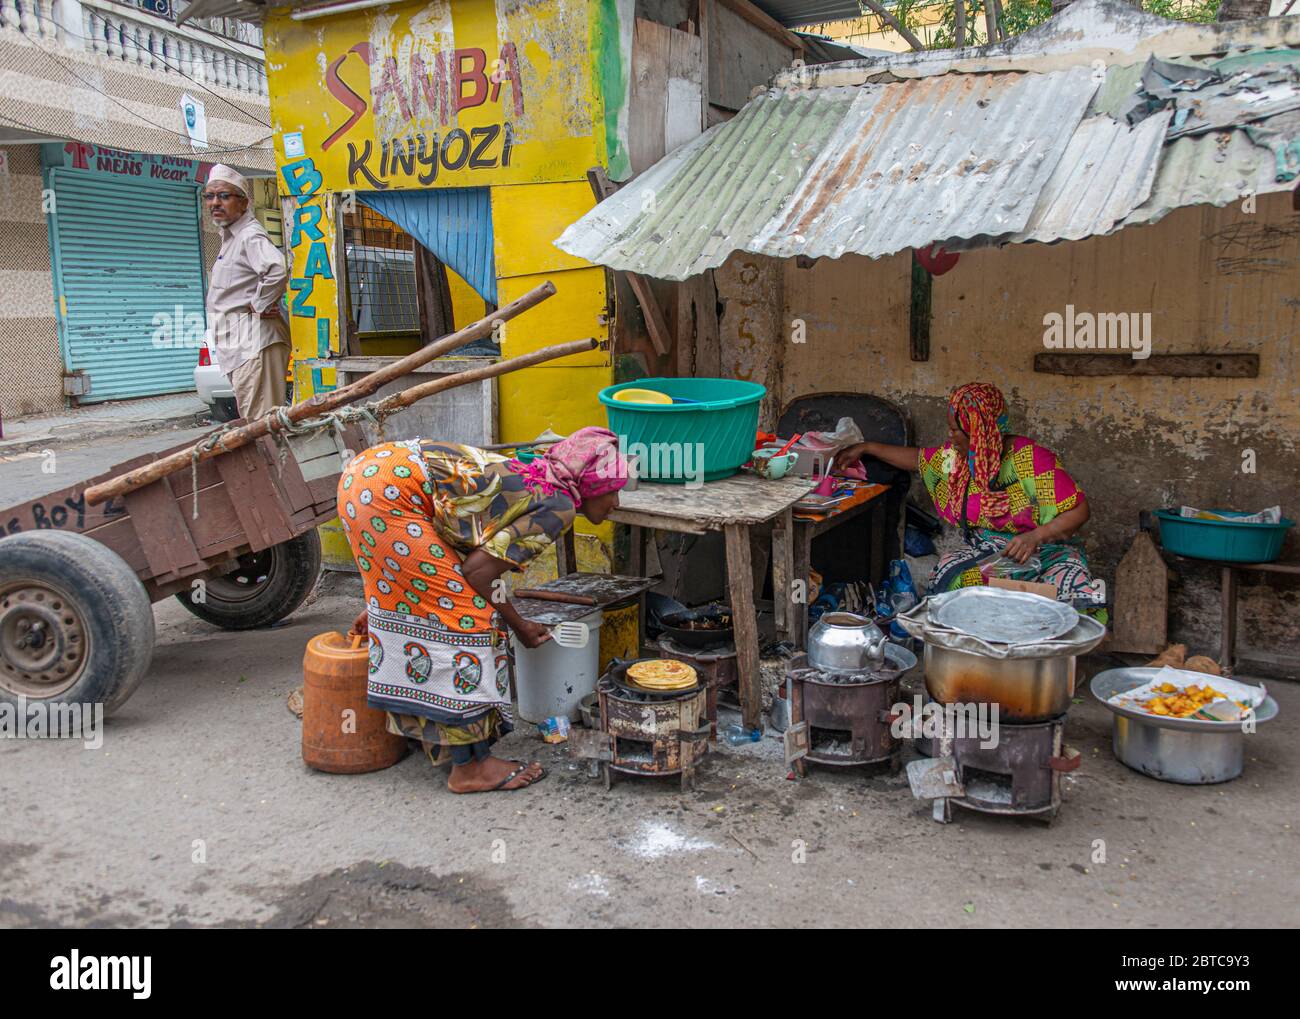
{"x":706,"y":437}
{"x":1228,"y":541}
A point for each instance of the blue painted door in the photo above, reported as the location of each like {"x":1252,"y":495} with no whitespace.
{"x":129,"y":275}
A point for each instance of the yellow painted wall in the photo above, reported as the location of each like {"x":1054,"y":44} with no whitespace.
{"x":559,"y":397}
{"x":351,"y":91}
{"x":466,"y":304}
{"x":871,"y":32}
{"x":355,"y":83}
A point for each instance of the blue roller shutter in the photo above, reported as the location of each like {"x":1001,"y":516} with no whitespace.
{"x":127,"y":250}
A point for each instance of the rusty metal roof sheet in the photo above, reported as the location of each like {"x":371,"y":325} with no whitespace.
{"x":1220,"y":167}
{"x":1106,"y":172}
{"x":869,"y":170}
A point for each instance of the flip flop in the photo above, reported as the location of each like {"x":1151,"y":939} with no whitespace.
{"x":523,"y":766}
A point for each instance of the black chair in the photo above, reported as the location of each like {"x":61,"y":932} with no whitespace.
{"x":880,"y":421}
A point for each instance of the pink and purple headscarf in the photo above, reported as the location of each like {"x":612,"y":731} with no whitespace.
{"x":585,"y":465}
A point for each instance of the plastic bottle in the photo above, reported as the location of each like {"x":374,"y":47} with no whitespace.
{"x":737,"y":734}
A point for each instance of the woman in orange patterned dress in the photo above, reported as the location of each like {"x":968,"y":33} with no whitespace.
{"x":433,"y":527}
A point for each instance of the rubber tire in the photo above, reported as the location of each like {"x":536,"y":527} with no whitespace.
{"x":294,"y":576}
{"x":113,"y":604}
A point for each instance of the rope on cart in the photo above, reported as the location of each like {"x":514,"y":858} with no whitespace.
{"x":283,"y":425}
{"x":217,"y":441}
{"x":337,"y":420}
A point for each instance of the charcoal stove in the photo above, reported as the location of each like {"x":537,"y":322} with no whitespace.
{"x":1006,"y":669}
{"x":844,"y":719}
{"x":1019,"y":775}
{"x":645,"y":733}
{"x":715,"y":664}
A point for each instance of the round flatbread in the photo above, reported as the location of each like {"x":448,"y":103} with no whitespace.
{"x":662,"y":674}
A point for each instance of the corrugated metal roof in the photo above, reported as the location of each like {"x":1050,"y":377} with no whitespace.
{"x":869,"y":170}
{"x":704,"y":197}
{"x":959,"y":159}
{"x":1215,"y":169}
{"x":1106,"y":172}
{"x":931,"y":160}
{"x":793,"y":13}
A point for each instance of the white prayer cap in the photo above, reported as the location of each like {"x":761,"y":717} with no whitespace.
{"x":230,"y":176}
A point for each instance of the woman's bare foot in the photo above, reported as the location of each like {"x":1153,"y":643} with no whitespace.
{"x":492,"y":773}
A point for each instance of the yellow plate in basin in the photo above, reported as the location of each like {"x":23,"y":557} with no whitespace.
{"x":641,"y":396}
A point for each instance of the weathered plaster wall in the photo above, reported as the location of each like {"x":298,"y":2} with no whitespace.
{"x":750,"y":318}
{"x":32,"y":382}
{"x":1215,"y":280}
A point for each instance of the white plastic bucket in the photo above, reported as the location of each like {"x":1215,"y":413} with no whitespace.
{"x":551,"y":680}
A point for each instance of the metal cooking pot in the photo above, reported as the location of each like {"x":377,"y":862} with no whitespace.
{"x":844,"y":642}
{"x":1025,"y":689}
{"x":1030,"y":682}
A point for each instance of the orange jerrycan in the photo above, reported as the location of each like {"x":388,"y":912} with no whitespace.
{"x":340,"y":732}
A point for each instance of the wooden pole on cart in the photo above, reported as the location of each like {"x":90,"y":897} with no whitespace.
{"x":133,"y":480}
{"x":323,"y":403}
{"x":489,"y":371}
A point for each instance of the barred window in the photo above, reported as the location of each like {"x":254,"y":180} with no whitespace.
{"x":382,"y":290}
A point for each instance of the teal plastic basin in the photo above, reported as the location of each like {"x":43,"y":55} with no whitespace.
{"x":714,"y":431}
{"x":1225,"y":540}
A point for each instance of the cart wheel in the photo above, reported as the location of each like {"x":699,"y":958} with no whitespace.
{"x":264,"y":588}
{"x":608,"y":774}
{"x":76,"y":626}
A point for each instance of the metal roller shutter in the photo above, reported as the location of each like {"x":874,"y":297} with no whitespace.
{"x":127,"y":250}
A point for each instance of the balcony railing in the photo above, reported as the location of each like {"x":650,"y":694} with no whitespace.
{"x":139,"y":38}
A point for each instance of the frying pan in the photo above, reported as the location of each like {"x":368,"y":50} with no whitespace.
{"x":617,"y":674}
{"x":674,"y":628}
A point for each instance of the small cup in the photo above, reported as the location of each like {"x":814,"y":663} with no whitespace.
{"x":768,"y":465}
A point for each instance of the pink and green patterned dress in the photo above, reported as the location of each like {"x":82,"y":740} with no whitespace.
{"x":1038,"y":489}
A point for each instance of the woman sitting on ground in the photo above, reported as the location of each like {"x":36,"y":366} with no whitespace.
{"x":1009,"y":495}
{"x":433,"y":527}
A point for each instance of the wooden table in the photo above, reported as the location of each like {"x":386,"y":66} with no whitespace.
{"x":1228,"y":597}
{"x":732,"y":506}
{"x":866,"y":499}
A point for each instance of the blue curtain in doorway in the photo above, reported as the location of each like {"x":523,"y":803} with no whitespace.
{"x":453,"y":223}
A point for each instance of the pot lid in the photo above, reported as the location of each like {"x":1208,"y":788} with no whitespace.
{"x":918,"y":621}
{"x":1003,"y":617}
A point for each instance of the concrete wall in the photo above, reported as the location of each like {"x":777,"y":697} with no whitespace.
{"x":1215,"y":280}
{"x":31,"y":381}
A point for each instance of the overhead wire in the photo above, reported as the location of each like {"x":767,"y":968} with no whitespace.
{"x":111,"y":98}
{"x":45,"y":131}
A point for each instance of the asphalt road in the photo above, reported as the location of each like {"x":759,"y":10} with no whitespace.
{"x":59,"y":463}
{"x":198,"y":810}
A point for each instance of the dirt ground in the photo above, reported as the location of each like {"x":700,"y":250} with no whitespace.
{"x":199,"y":811}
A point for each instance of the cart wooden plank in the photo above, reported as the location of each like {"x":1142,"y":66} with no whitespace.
{"x":161,"y":531}
{"x":255,"y":495}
